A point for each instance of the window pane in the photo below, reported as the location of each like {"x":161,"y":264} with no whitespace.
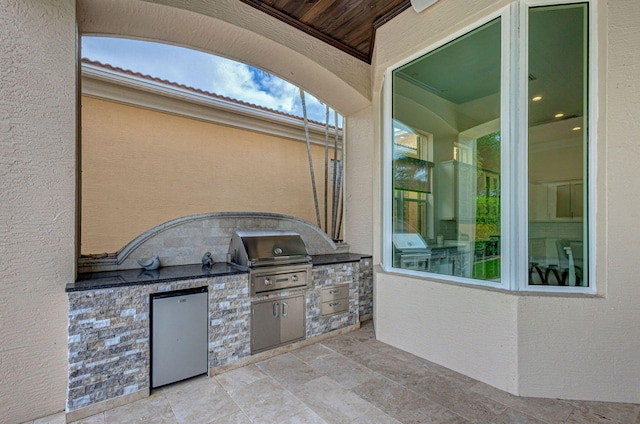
{"x":558,"y":145}
{"x":446,"y":158}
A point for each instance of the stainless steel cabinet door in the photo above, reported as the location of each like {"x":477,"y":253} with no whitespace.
{"x":276,"y":322}
{"x":265,"y":325}
{"x":292,"y":321}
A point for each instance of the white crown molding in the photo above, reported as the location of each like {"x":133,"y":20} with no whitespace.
{"x":137,"y":91}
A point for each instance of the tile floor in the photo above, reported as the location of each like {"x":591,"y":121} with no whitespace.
{"x":351,"y":378}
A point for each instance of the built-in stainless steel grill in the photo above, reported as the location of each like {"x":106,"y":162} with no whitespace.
{"x":277,"y":259}
{"x":410,"y":251}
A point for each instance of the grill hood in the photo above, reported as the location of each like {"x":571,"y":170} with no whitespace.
{"x":253,"y":248}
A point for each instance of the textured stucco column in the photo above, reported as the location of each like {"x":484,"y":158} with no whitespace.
{"x":37,"y":203}
{"x":359,"y":173}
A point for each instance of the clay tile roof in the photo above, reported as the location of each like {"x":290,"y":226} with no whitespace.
{"x":194,"y":90}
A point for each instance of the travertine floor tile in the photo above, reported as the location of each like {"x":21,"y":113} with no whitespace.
{"x":288,"y":370}
{"x":366,"y":332}
{"x":404,"y":405}
{"x":603,"y":412}
{"x":333,"y":402}
{"x":58,"y":418}
{"x":510,"y":416}
{"x":237,"y":418}
{"x":94,"y":419}
{"x":346,"y":372}
{"x":311,"y":352}
{"x":548,"y":410}
{"x":472,"y":406}
{"x":375,"y":416}
{"x":348,"y":346}
{"x":267,"y":401}
{"x":388,"y":350}
{"x":240,"y":377}
{"x":626,"y":413}
{"x":200,"y":401}
{"x":154,"y":409}
{"x":304,"y":416}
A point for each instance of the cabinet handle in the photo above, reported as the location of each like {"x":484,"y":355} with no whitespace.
{"x":285,"y":309}
{"x":276,"y":309}
{"x":334,"y":291}
{"x":334,"y":304}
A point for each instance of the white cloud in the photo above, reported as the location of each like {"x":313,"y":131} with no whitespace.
{"x":204,"y":71}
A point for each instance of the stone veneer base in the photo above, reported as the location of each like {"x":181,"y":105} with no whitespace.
{"x":106,"y":405}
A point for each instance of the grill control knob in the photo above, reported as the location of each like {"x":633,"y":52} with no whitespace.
{"x":267,"y":282}
{"x":277,"y":251}
{"x":294,"y":278}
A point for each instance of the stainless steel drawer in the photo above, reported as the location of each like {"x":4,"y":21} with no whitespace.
{"x":340,"y":291}
{"x":334,"y":306}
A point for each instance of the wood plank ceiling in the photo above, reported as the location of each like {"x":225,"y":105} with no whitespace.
{"x":348,"y":25}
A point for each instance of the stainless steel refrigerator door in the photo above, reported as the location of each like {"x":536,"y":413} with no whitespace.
{"x":180,"y":338}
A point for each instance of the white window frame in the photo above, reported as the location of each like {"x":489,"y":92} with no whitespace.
{"x":514,"y":182}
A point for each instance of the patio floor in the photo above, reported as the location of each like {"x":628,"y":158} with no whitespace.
{"x":351,"y":378}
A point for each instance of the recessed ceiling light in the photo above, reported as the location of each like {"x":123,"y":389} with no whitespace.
{"x":536,"y":98}
{"x":559,"y":115}
{"x":576,"y":128}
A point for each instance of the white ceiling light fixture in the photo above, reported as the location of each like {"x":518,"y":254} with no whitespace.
{"x":420,"y":5}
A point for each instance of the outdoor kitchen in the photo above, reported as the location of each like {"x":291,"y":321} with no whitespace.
{"x":273,"y":283}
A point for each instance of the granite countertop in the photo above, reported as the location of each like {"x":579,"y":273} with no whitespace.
{"x":131,"y":277}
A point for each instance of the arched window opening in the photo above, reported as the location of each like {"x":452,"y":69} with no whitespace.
{"x":169,"y":132}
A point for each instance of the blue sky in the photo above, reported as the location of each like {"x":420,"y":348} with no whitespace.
{"x":204,"y":71}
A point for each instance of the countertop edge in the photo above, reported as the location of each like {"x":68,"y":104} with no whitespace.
{"x":125,"y":278}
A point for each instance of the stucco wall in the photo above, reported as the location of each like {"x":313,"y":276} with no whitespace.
{"x":359,"y":153}
{"x":141,"y":168}
{"x":576,"y":347}
{"x":37,"y":203}
{"x":473,"y":333}
{"x":590,"y":348}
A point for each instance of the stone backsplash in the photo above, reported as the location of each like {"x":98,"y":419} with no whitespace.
{"x":184,"y":240}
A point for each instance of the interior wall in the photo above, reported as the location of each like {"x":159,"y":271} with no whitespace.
{"x":572,"y":347}
{"x":37,"y":216}
{"x":557,"y":164}
{"x":170,"y":166}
